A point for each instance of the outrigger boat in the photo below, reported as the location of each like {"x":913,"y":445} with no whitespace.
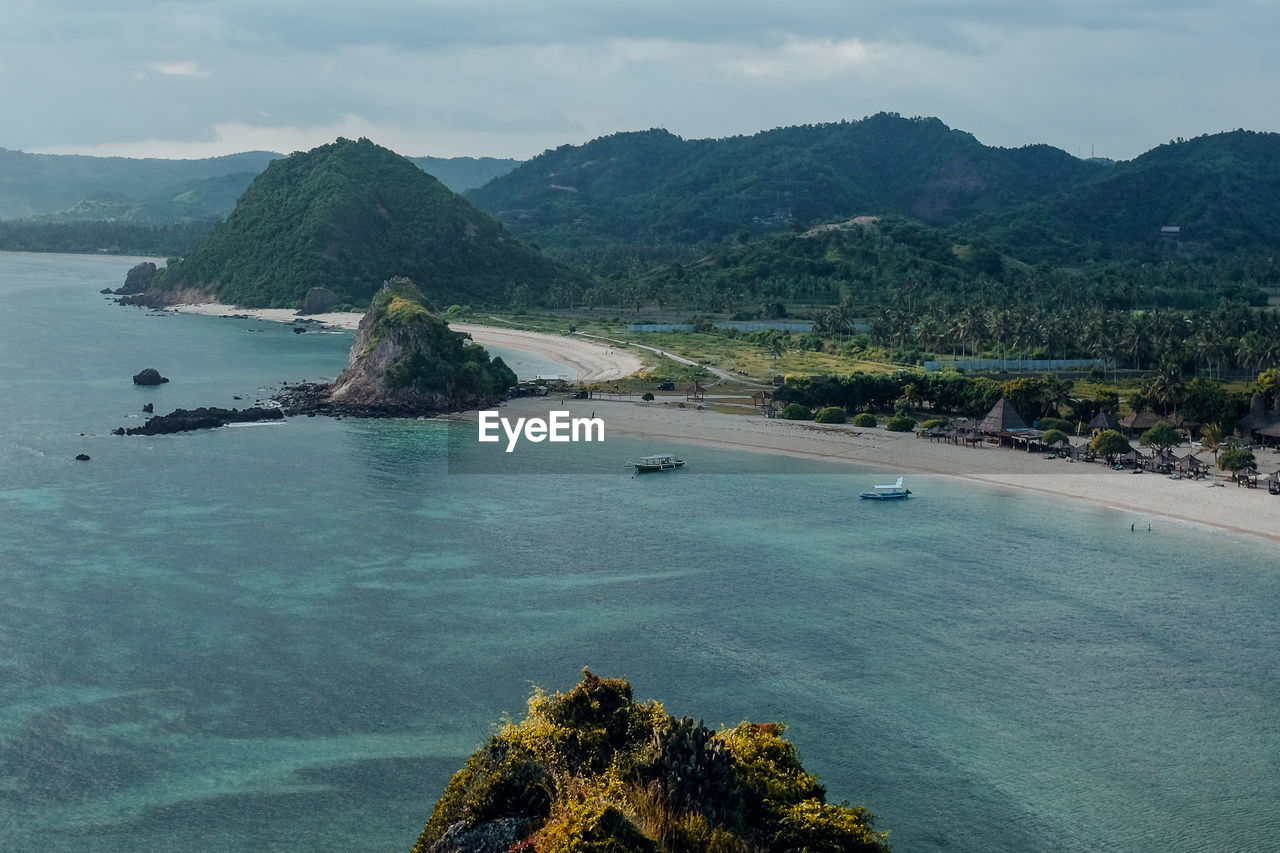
{"x":891,"y":492}
{"x":659,"y":462}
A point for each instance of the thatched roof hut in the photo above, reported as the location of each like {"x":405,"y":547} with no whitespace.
{"x":1140,"y":422}
{"x":1259,"y":418}
{"x":1103,"y":421}
{"x":1002,"y":418}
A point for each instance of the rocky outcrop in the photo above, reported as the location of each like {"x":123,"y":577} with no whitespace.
{"x":407,"y":362}
{"x":182,"y":420}
{"x":138,"y":280}
{"x":318,"y":300}
{"x":149,"y":376}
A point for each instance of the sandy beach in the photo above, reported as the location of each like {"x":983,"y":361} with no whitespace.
{"x":1141,"y":498}
{"x":587,"y":362}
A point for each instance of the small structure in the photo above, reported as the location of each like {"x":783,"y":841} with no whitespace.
{"x":1192,"y":466}
{"x":1140,"y":422}
{"x":1003,"y":425}
{"x":761,"y":399}
{"x":1103,"y":421}
{"x":695,"y":393}
{"x":1261,"y":425}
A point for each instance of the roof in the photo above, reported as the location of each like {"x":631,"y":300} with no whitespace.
{"x":1259,"y":418}
{"x":1104,"y":420}
{"x":1141,"y":420}
{"x":1002,"y":418}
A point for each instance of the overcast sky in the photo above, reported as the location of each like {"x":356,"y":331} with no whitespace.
{"x":509,"y":78}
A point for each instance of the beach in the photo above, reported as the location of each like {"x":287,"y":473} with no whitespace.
{"x":587,"y":361}
{"x":1138,"y":499}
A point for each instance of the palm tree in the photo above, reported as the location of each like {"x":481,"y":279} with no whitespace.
{"x":1211,"y":439}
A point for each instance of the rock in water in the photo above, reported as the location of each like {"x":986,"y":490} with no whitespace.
{"x":182,"y":420}
{"x":149,"y":376}
{"x":139,"y":279}
{"x":82,"y":457}
{"x":407,"y":361}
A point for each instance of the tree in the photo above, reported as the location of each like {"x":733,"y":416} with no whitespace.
{"x":1109,"y":444}
{"x":1236,"y":459}
{"x":1161,"y":437}
{"x":1211,"y":438}
{"x":1052,"y":437}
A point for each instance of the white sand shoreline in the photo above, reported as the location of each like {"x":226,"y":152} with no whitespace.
{"x":1250,"y":511}
{"x":589,"y":362}
{"x":1145,"y":496}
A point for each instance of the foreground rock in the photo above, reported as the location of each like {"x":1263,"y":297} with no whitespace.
{"x":138,"y":280}
{"x":594,"y":770}
{"x":406,"y":362}
{"x":149,"y":376}
{"x":182,"y":420}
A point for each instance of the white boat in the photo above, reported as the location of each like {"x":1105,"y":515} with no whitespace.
{"x":891,"y":492}
{"x":658,"y":462}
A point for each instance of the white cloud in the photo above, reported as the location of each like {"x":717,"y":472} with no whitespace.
{"x":186,"y":68}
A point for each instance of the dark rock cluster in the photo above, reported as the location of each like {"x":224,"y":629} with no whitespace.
{"x":149,"y":376}
{"x":182,"y":420}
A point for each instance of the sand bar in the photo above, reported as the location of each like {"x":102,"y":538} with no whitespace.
{"x":1137,"y":498}
{"x":587,"y":362}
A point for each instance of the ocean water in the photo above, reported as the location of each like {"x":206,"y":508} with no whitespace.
{"x":286,"y":637}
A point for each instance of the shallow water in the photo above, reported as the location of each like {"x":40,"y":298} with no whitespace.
{"x":286,"y":637}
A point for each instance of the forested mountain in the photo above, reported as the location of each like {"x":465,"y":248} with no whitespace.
{"x":1221,"y":192}
{"x":464,"y":173}
{"x":63,"y":188}
{"x":77,"y":188}
{"x":1035,"y":202}
{"x":348,"y":216}
{"x":653,"y":185}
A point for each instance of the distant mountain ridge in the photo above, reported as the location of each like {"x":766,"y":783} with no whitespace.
{"x":81,"y":188}
{"x":1222,"y":192}
{"x":346,"y":217}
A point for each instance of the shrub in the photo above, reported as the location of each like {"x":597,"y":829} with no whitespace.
{"x":866,"y":419}
{"x":831,"y":415}
{"x":933,"y":422}
{"x":647,"y":396}
{"x":901,"y":423}
{"x":1056,"y":423}
{"x":1052,"y":437}
{"x":796,"y":412}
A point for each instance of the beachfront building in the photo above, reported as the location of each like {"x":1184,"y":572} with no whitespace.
{"x":1261,"y":425}
{"x":1004,"y":426}
{"x":1102,"y":422}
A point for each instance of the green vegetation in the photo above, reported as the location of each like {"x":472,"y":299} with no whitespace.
{"x":831,"y":415}
{"x":1053,"y":437}
{"x":594,"y":770}
{"x":900,"y":423}
{"x":796,"y":412}
{"x":348,"y":216}
{"x":1235,"y":459}
{"x":1161,"y":437}
{"x":865,"y":420}
{"x":1109,"y":444}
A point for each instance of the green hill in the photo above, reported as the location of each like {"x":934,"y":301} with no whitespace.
{"x":1222,"y":193}
{"x":1037,"y":202}
{"x":346,"y":217}
{"x":150,"y":191}
{"x":653,"y":185}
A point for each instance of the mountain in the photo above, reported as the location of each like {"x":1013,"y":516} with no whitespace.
{"x":653,"y":185}
{"x":464,"y":173}
{"x":1036,"y":202}
{"x":346,"y":217}
{"x":151,"y":191}
{"x":1221,"y":192}
{"x":406,"y":361}
{"x":78,"y":188}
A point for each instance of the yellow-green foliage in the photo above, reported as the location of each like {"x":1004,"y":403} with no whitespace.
{"x":594,"y":771}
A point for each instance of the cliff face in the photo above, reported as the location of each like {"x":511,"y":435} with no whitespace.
{"x":406,"y":360}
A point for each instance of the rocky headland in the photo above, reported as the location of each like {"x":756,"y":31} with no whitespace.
{"x":405,"y":362}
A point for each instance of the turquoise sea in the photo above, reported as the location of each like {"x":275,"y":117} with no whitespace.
{"x":286,"y":637}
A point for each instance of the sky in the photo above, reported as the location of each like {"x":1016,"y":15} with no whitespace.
{"x":511,"y":78}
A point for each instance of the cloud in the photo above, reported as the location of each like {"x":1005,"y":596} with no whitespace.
{"x":509,"y":78}
{"x":186,"y":68}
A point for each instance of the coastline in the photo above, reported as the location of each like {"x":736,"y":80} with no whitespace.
{"x":1144,"y":497}
{"x":1248,"y":511}
{"x":591,"y":362}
